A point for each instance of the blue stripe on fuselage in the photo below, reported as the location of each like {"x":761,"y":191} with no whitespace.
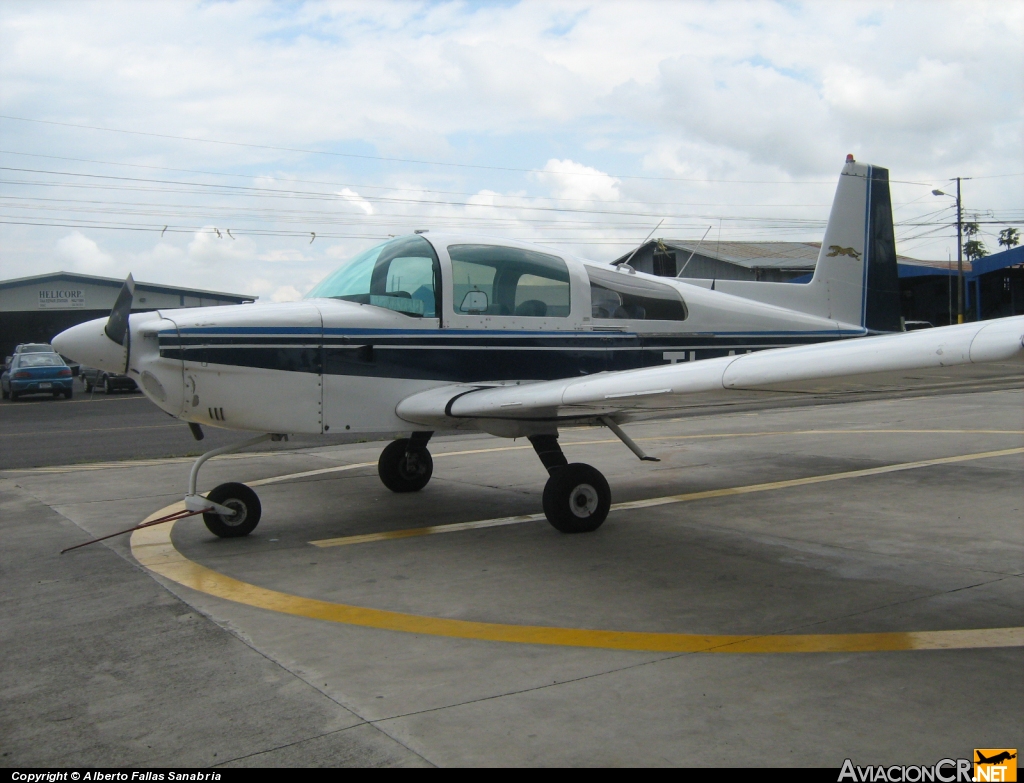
{"x":460,"y":355}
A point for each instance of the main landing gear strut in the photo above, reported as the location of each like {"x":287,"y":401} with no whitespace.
{"x":230,"y":510}
{"x":576,"y":498}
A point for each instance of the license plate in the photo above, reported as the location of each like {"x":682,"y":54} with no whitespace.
{"x":45,"y":385}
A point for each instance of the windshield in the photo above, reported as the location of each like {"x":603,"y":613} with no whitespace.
{"x":40,"y":360}
{"x":401,"y":275}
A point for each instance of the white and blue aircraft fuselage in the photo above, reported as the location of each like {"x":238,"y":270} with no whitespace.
{"x":435,"y":332}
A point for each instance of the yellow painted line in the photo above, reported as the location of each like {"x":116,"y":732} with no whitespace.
{"x":412,"y":532}
{"x":153,"y":548}
{"x":666,"y":500}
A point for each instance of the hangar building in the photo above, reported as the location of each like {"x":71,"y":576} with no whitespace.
{"x":993,"y":285}
{"x":34,"y":309}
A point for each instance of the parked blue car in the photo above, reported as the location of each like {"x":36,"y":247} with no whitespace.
{"x":36,"y":373}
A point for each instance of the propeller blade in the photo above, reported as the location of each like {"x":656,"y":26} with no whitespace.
{"x":117,"y":323}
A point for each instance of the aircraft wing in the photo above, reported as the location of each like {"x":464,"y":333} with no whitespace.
{"x":847,"y":369}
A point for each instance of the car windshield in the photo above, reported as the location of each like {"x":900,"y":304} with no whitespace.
{"x":36,"y":348}
{"x":401,"y":275}
{"x":40,"y":360}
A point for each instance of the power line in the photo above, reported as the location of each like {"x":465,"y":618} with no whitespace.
{"x":396,"y":189}
{"x":428,"y":162}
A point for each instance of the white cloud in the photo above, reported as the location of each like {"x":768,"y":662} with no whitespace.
{"x":567,"y":179}
{"x":733,"y":94}
{"x":354,"y":198}
{"x":84,"y":255}
{"x":286,"y":293}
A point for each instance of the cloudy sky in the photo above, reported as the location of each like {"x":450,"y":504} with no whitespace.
{"x":245,"y":128}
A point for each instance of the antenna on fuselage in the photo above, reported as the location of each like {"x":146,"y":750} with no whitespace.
{"x":630,"y":258}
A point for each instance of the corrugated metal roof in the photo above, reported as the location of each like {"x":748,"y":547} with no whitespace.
{"x":771,"y":255}
{"x":753,"y":255}
{"x":117,"y":283}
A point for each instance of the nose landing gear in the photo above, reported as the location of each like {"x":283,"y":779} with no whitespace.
{"x":242,"y":501}
{"x":229,"y":510}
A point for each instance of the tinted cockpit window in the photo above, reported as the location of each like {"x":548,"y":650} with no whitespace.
{"x":401,"y":275}
{"x":495,"y":280}
{"x":619,"y":296}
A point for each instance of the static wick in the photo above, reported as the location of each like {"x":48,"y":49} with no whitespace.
{"x":313,"y":233}
{"x":164,"y":231}
{"x":229,"y":233}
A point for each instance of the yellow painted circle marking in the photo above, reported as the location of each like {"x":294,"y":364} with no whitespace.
{"x":154,"y":549}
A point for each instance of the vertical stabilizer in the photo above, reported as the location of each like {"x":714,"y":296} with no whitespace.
{"x":855,"y":281}
{"x":856,"y":267}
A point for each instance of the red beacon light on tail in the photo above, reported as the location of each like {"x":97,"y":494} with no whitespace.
{"x":849,"y":158}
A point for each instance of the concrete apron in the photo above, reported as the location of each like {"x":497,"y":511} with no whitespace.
{"x":880,"y":519}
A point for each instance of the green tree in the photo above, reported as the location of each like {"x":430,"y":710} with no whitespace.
{"x":1009,"y":238}
{"x":974,"y":249}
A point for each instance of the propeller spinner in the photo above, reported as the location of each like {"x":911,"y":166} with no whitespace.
{"x":102,"y":343}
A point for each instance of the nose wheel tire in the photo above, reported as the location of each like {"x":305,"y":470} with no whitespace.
{"x":243,"y":501}
{"x":576,"y":498}
{"x":403,"y":468}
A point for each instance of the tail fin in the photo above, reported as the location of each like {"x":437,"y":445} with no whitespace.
{"x":855,"y":280}
{"x":857,"y":262}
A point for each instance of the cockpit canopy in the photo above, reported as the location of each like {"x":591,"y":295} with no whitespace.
{"x":402,"y":274}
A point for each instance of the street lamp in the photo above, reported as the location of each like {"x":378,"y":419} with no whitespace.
{"x":959,"y":253}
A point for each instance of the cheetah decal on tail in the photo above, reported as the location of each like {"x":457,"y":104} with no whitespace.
{"x":835,"y":250}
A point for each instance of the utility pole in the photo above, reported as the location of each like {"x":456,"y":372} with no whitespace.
{"x":959,"y":258}
{"x":959,"y":250}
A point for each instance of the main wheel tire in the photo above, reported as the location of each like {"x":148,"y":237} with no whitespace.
{"x":5,"y":393}
{"x":14,"y":396}
{"x":68,"y":394}
{"x":577,"y":499}
{"x":108,"y":387}
{"x":243,"y":501}
{"x":403,"y":469}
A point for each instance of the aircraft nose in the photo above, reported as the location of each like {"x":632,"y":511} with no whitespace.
{"x":88,"y":344}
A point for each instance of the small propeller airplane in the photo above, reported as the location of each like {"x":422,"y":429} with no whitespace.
{"x":429,"y":332}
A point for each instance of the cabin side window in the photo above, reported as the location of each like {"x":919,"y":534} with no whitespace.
{"x":401,"y":275}
{"x":494,"y":280}
{"x":614,"y":295}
